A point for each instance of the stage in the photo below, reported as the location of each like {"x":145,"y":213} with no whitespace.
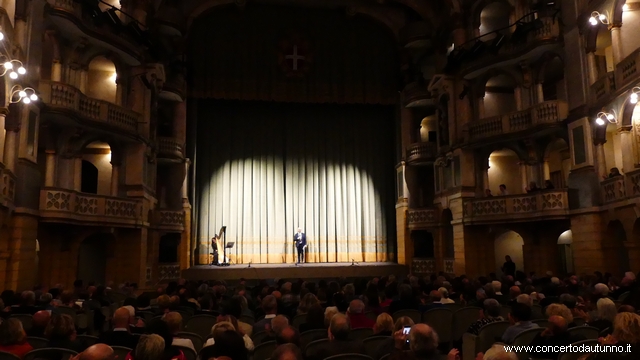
{"x":290,"y":271}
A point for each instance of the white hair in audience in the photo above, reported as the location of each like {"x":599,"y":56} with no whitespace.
{"x":606,"y":309}
{"x":524,"y":299}
{"x":555,"y":281}
{"x":496,"y":285}
{"x":602,"y":289}
{"x":497,"y":352}
{"x":444,"y":292}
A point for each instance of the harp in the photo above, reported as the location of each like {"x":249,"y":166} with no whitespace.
{"x":217,"y":246}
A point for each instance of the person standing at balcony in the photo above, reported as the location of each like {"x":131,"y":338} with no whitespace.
{"x":614,"y":172}
{"x":548,"y":185}
{"x":533,"y":187}
{"x":509,"y":267}
{"x":503,"y":190}
{"x":487,"y":193}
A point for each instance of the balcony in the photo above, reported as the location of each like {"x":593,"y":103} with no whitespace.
{"x":621,"y":188}
{"x":416,"y":94}
{"x":168,"y":272}
{"x":538,"y":42}
{"x":422,"y":153}
{"x":67,"y":206}
{"x":68,"y":16}
{"x":170,"y":148}
{"x":604,"y":87}
{"x":546,"y":113}
{"x":168,"y":220}
{"x":544,"y":205}
{"x":66,"y":99}
{"x":422,"y":219}
{"x":423,"y":266}
{"x":7,"y":188}
{"x":628,"y":70}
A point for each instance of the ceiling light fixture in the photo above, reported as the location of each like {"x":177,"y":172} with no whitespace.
{"x":26,"y":95}
{"x":635,"y":93}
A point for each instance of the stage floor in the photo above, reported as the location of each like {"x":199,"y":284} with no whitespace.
{"x":290,"y":271}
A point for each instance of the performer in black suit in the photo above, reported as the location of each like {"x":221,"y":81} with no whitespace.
{"x":301,"y":243}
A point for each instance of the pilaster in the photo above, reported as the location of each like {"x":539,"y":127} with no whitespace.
{"x":588,"y":255}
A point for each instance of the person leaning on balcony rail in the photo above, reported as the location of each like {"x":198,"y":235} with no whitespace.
{"x":487,"y":193}
{"x":614,"y":172}
{"x":503,"y":190}
{"x":533,"y":187}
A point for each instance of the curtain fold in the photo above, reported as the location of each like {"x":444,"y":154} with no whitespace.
{"x":269,"y":168}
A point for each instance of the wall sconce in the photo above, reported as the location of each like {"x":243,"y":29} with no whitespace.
{"x":603,"y":117}
{"x":26,"y":95}
{"x":635,"y":93}
{"x":597,"y":17}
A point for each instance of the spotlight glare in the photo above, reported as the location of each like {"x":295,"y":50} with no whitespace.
{"x":602,"y":17}
{"x":625,"y":7}
{"x":599,"y":121}
{"x":33,"y":97}
{"x":22,"y":70}
{"x":22,"y":93}
{"x":633,"y":98}
{"x":8,"y":65}
{"x":13,"y":75}
{"x":593,"y":21}
{"x":1,"y":36}
{"x":609,"y":116}
{"x":26,"y":100}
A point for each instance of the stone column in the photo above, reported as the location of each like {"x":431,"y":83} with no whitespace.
{"x":50,"y":169}
{"x":600,"y":159}
{"x":592,"y":68}
{"x":481,"y":108}
{"x":185,"y":183}
{"x":524,"y":175}
{"x":83,"y":78}
{"x":626,"y":147}
{"x":10,"y":148}
{"x":616,"y":43}
{"x":77,"y":174}
{"x":539,"y":93}
{"x":517,"y":94}
{"x":115,"y":177}
{"x":546,"y":173}
{"x":56,"y":70}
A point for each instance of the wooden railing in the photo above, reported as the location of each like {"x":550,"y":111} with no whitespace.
{"x":62,"y":96}
{"x":548,"y":112}
{"x":543,"y":204}
{"x":170,"y":220}
{"x":423,"y":266}
{"x":172,"y":147}
{"x":422,"y":151}
{"x":67,"y":205}
{"x":422,"y":218}
{"x":628,"y":70}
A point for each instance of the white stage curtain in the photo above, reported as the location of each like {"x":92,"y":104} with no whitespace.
{"x":265,"y":169}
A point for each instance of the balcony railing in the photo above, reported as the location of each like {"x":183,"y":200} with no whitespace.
{"x":422,"y":218}
{"x":613,"y":190}
{"x":546,"y":204}
{"x":545,"y":113}
{"x":605,"y":86}
{"x":422,"y":152}
{"x":168,"y":272}
{"x":170,"y":220}
{"x":7,"y":188}
{"x":62,"y":205}
{"x":66,"y":97}
{"x":170,"y":147}
{"x":448,"y":265}
{"x":621,"y":188}
{"x":423,"y":266}
{"x":628,"y":70}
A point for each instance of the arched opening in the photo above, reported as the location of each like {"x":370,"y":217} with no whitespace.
{"x":423,"y":244}
{"x":96,"y":168}
{"x":447,"y":228}
{"x":564,"y":249}
{"x":553,"y":87}
{"x":557,"y":163}
{"x":615,"y":252}
{"x":168,"y":248}
{"x":508,"y":243}
{"x":429,"y":129}
{"x":92,"y":262}
{"x":101,"y":82}
{"x":603,"y":50}
{"x":499,"y":96}
{"x":504,"y":169}
{"x":493,"y":17}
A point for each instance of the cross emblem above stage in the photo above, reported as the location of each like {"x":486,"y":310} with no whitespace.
{"x":294,"y":55}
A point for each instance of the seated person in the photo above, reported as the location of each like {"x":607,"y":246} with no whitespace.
{"x":13,"y":339}
{"x":555,"y":334}
{"x":519,"y":317}
{"x":490,"y":313}
{"x":339,"y":340}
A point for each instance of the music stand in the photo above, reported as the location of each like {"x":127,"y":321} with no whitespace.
{"x":227,"y":246}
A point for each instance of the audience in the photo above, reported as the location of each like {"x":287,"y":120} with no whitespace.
{"x":423,"y":344}
{"x":606,"y":314}
{"x":61,"y":333}
{"x":174,"y":322}
{"x":356,"y":315}
{"x":120,"y":335}
{"x":314,"y":319}
{"x":39,"y":322}
{"x":383,"y":325}
{"x":287,"y":352}
{"x":270,"y":308}
{"x":555,"y":334}
{"x":490,"y":313}
{"x":98,"y":352}
{"x":626,"y":332}
{"x":339,"y":339}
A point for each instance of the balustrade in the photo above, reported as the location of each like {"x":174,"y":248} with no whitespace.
{"x":628,"y":70}
{"x":423,"y":266}
{"x":613,"y":189}
{"x":548,"y":203}
{"x":7,"y":188}
{"x":170,"y":220}
{"x":423,"y":151}
{"x":421,"y":218}
{"x":168,"y":271}
{"x":172,"y":147}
